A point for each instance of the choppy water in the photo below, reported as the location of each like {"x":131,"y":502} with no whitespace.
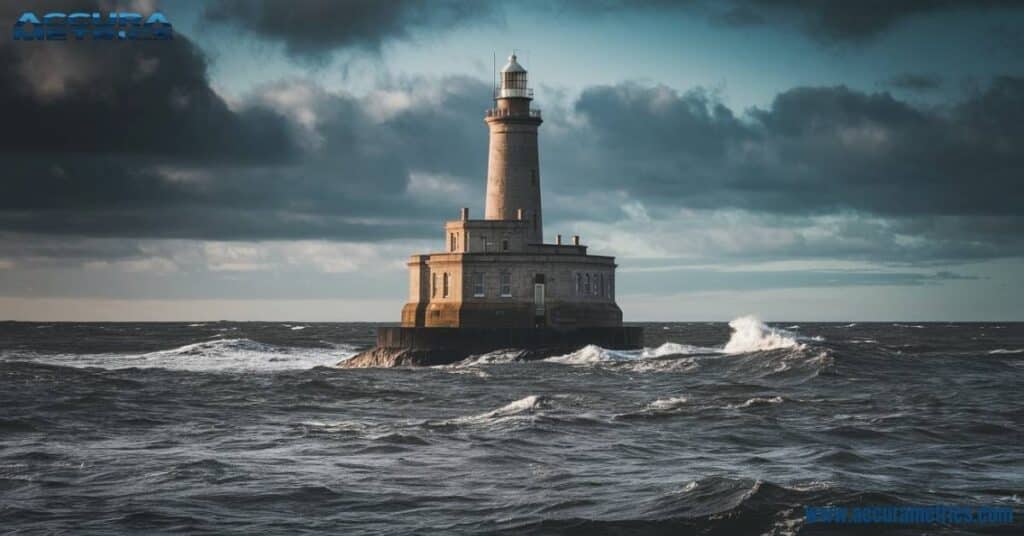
{"x":243,"y":428}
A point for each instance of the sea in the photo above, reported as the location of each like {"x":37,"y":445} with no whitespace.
{"x":714,"y":428}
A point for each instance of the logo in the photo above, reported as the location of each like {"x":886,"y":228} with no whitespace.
{"x":116,"y":26}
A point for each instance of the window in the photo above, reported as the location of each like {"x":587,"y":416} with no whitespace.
{"x":504,"y":245}
{"x":483,"y":243}
{"x":586,"y":284}
{"x":579,"y":283}
{"x":444,"y":290}
{"x":433,"y":285}
{"x":478,"y":284}
{"x":506,"y":284}
{"x":611,"y":286}
{"x":599,"y":287}
{"x":454,"y":238}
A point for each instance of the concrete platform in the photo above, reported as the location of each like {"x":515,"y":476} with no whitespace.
{"x":403,"y":346}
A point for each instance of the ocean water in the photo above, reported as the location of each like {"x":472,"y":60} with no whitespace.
{"x":243,"y":428}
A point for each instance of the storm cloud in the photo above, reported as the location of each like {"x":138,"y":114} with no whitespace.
{"x":814,"y":150}
{"x":313,"y":28}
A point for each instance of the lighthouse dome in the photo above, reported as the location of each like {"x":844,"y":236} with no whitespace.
{"x":512,"y":66}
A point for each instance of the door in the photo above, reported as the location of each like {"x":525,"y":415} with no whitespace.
{"x":538,"y":298}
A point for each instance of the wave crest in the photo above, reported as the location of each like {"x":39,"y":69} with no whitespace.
{"x":750,"y":334}
{"x":592,"y":354}
{"x":220,"y":355}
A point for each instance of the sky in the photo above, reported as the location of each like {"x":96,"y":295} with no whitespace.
{"x":793,"y":159}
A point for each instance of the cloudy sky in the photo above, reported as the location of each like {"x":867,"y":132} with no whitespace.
{"x":796,"y":159}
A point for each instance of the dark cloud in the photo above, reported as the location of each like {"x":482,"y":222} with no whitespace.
{"x":915,"y":82}
{"x":346,"y":185}
{"x":138,"y":99}
{"x":814,"y":150}
{"x":834,"y":22}
{"x":851,"y":21}
{"x":315,"y":27}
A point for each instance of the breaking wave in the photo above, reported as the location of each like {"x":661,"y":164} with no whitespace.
{"x":663,"y":404}
{"x":749,"y":334}
{"x":591,"y":354}
{"x":524,"y":407}
{"x":221,"y":355}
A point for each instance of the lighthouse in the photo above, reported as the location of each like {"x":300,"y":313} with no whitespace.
{"x":497,"y":284}
{"x":513,"y":165}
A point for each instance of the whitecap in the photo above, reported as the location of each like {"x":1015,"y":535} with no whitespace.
{"x":750,"y":334}
{"x":515,"y":409}
{"x":297,"y":328}
{"x":999,"y":351}
{"x":490,"y":358}
{"x":757,"y":401}
{"x":219,"y":355}
{"x":592,"y":354}
{"x":663,"y":404}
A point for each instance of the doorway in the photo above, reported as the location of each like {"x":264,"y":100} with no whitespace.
{"x":539,"y":312}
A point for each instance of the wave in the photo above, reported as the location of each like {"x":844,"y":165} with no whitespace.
{"x":592,"y":354}
{"x":663,"y":404}
{"x":757,"y":401}
{"x":496,"y":357}
{"x":750,"y":334}
{"x":524,"y":407}
{"x":221,"y":355}
{"x":999,"y":351}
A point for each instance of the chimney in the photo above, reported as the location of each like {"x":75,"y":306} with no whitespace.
{"x":575,"y":239}
{"x":519,"y":214}
{"x":558,"y":240}
{"x":464,"y":213}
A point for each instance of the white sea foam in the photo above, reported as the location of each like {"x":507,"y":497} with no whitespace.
{"x":591,"y":354}
{"x":749,"y":334}
{"x":757,"y":401}
{"x":998,"y":351}
{"x":490,"y":358}
{"x":513,"y":410}
{"x":212,"y":356}
{"x":297,"y":328}
{"x":663,"y":404}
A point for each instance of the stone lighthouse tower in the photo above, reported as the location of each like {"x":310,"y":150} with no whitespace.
{"x":513,"y":167}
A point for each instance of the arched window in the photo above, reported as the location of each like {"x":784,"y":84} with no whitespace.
{"x":444,"y":289}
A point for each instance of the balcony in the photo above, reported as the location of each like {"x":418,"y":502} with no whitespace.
{"x":500,"y":112}
{"x":513,"y":92}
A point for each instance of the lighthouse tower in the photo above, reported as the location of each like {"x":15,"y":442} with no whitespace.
{"x":513,"y":167}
